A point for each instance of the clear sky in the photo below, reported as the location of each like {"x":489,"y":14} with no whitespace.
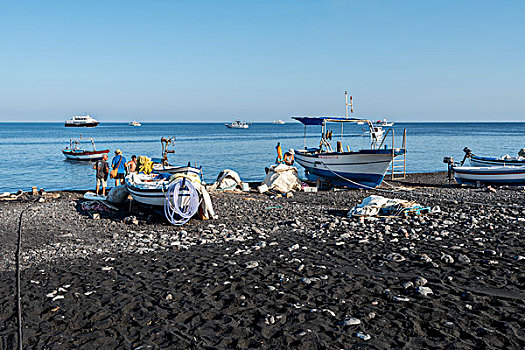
{"x":262,"y":60}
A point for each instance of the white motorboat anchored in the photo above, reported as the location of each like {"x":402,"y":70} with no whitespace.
{"x":238,"y":124}
{"x":82,"y":121}
{"x":280,"y":122}
{"x":134,"y":123}
{"x":364,"y":168}
{"x":384,"y":123}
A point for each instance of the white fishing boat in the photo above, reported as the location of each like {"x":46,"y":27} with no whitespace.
{"x":364,"y":168}
{"x":492,"y":175}
{"x":75,"y":152}
{"x":384,"y":123}
{"x":151,"y":189}
{"x":134,"y":123}
{"x":376,"y":132}
{"x":82,"y":121}
{"x":279,"y":122}
{"x":238,"y":124}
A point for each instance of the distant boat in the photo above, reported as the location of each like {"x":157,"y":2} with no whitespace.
{"x":134,"y":123}
{"x":280,"y":122}
{"x":82,"y":121}
{"x":384,"y":123}
{"x":238,"y":125}
{"x":74,"y":152}
{"x":375,"y":132}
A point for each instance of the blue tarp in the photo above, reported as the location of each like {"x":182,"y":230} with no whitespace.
{"x":323,"y":119}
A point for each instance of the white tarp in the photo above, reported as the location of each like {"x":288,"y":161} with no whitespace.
{"x":281,"y":178}
{"x":370,"y":206}
{"x":227,"y":180}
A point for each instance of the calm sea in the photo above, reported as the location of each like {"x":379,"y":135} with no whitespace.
{"x":31,"y":152}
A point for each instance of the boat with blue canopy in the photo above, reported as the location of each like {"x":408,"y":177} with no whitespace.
{"x":363,"y":168}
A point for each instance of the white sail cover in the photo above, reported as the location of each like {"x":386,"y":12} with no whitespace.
{"x":227,"y":180}
{"x":281,"y":178}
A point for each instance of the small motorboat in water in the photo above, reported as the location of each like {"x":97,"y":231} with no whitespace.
{"x":238,"y":124}
{"x":279,"y":122}
{"x":384,"y":123}
{"x":75,"y":152}
{"x":82,"y":121}
{"x":134,"y":123}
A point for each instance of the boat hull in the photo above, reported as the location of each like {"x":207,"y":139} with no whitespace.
{"x":362,"y":169}
{"x":172,"y":169}
{"x":81,"y":125}
{"x":495,"y":175}
{"x":153,"y":192}
{"x":85,"y":155}
{"x":490,"y":161}
{"x":154,"y":197}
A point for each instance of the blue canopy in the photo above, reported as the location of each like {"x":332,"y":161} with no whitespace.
{"x":321,"y":120}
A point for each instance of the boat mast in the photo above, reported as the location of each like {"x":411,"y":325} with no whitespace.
{"x":346,"y":112}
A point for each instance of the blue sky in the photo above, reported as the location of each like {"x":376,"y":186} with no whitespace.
{"x":262,"y":60}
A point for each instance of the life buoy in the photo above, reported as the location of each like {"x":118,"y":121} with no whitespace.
{"x":288,"y":158}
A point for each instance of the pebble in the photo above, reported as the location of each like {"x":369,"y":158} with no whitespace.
{"x":293,"y":247}
{"x":425,"y":291}
{"x":252,"y":264}
{"x":463,"y":259}
{"x":395,"y":257}
{"x":408,"y":284}
{"x":396,"y":298}
{"x":447,"y":259}
{"x":363,"y":336}
{"x":58,"y":297}
{"x":351,"y":321}
{"x":52,"y":294}
{"x":420,"y":281}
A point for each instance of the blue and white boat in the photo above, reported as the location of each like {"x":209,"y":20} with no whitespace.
{"x":492,"y":175}
{"x":494,"y":161}
{"x":363,"y":168}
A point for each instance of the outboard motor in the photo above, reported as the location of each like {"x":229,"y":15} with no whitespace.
{"x":468,"y":153}
{"x":450,"y":163}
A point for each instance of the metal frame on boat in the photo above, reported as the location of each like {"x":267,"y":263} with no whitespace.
{"x":364,"y":168}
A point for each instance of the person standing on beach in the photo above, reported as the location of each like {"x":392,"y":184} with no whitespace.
{"x":119,"y":163}
{"x":102,"y":168}
{"x":132,"y":164}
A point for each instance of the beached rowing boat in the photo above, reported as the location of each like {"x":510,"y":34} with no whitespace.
{"x":506,"y":160}
{"x":494,"y":175}
{"x":151,"y":189}
{"x":494,"y":161}
{"x":74,"y":152}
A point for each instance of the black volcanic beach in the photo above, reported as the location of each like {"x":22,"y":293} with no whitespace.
{"x":271,"y":273}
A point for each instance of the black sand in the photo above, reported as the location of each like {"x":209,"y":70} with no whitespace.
{"x":272,"y":273}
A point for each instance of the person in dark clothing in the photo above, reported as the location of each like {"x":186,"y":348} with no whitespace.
{"x":102,"y":168}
